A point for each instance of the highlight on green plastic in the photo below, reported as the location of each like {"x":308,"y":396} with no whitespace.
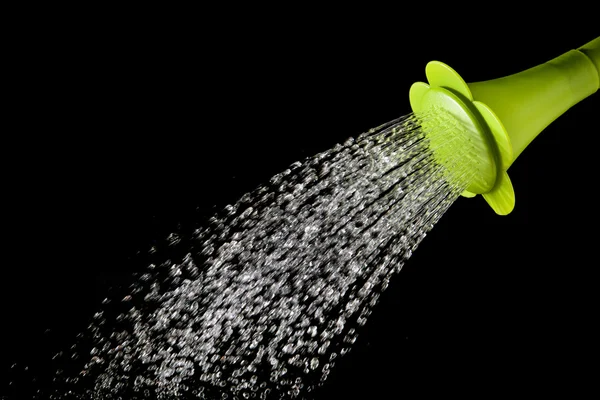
{"x":502,"y":116}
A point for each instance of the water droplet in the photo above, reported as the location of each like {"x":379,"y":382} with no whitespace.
{"x":288,"y":348}
{"x":314,"y":363}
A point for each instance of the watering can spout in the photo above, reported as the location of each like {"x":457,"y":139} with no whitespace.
{"x":507,"y":113}
{"x":527,"y":102}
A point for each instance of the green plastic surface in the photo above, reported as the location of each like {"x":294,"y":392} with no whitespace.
{"x":503,"y":116}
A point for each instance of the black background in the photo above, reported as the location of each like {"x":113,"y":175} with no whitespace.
{"x":118,"y":132}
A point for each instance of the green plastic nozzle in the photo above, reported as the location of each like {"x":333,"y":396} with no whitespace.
{"x":502,"y":116}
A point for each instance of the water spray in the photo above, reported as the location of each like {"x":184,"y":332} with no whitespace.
{"x":263,"y":300}
{"x":500,"y":117}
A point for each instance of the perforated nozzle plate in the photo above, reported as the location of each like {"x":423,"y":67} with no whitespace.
{"x":487,"y":137}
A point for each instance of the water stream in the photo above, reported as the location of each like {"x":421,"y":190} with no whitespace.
{"x":272,"y":291}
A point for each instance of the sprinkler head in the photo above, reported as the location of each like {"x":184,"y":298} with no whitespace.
{"x":500,"y":117}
